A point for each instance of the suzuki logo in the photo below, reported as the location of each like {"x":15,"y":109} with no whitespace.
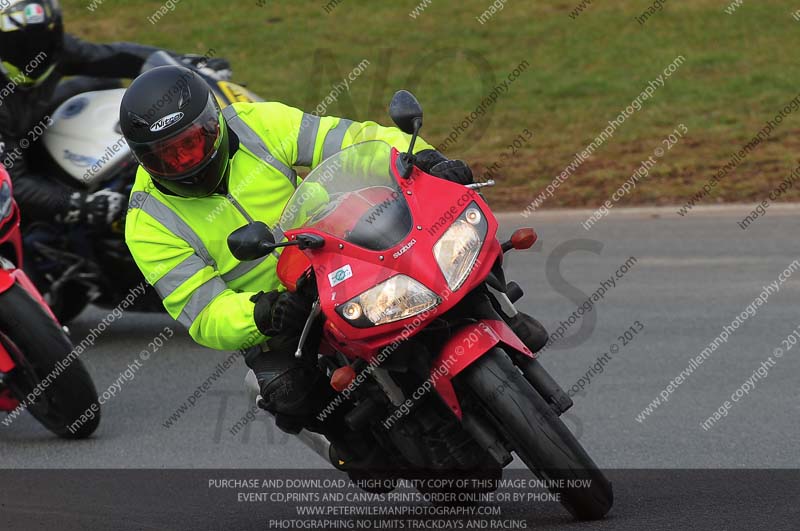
{"x":405,"y":248}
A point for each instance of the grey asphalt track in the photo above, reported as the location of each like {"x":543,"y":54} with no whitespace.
{"x":692,"y":276}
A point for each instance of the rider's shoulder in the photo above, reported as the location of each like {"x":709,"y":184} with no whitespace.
{"x":263,"y":109}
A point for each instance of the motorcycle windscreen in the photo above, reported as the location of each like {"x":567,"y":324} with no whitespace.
{"x":354,"y":196}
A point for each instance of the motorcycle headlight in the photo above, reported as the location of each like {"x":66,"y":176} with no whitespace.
{"x":5,"y":200}
{"x":392,"y":300}
{"x":457,"y":250}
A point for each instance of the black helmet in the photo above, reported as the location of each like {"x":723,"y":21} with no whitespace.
{"x":31,"y":41}
{"x":175,"y":129}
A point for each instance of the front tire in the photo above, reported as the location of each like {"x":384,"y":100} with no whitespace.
{"x":37,"y":344}
{"x":537,"y":435}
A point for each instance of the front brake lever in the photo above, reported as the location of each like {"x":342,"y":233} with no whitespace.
{"x":316,"y":308}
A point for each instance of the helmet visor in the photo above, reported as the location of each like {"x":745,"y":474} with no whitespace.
{"x":178,"y":156}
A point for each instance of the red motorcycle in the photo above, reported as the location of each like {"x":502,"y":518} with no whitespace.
{"x":406,"y":272}
{"x":39,"y":370}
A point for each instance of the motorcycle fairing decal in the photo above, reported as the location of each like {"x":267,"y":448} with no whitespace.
{"x":404,"y":248}
{"x":84,"y":161}
{"x":340,"y":275}
{"x":467,"y":345}
{"x":73,"y":107}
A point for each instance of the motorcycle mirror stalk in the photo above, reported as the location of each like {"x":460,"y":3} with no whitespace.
{"x":406,"y":113}
{"x":255,"y":240}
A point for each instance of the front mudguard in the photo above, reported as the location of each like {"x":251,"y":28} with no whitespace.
{"x":7,"y":278}
{"x":6,"y":281}
{"x":466,"y":346}
{"x":6,"y":362}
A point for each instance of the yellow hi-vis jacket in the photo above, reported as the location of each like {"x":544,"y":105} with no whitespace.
{"x":180,"y":244}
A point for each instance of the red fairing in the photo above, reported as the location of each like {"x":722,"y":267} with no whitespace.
{"x":9,"y":232}
{"x":27,"y":284}
{"x":467,"y":345}
{"x":9,"y":226}
{"x":11,"y":272}
{"x":427,"y":197}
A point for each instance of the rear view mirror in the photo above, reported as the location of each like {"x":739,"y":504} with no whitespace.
{"x":406,"y":112}
{"x":251,"y":241}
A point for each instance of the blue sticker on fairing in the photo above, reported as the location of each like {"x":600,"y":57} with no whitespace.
{"x":79,"y":160}
{"x":74,"y":107}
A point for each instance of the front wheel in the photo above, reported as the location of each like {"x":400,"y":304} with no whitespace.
{"x":67,"y":400}
{"x":537,"y":435}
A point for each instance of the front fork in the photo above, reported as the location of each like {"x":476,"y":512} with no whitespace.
{"x":533,"y":371}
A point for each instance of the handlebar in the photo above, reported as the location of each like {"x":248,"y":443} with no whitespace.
{"x":475,"y":186}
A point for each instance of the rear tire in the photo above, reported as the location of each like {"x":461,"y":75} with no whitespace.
{"x":37,"y":344}
{"x":537,"y":435}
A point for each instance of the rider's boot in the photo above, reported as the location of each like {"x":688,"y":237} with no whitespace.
{"x":297,"y":393}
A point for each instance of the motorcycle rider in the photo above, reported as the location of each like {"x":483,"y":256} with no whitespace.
{"x":204,"y":173}
{"x":35,"y":54}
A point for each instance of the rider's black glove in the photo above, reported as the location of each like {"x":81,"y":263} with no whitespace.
{"x":214,"y":67}
{"x":280,"y":312}
{"x":433,"y":162}
{"x":98,"y":210}
{"x":456,"y":171}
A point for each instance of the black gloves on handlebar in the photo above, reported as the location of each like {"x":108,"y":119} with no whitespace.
{"x":280,"y":312}
{"x":433,"y":162}
{"x":98,"y":210}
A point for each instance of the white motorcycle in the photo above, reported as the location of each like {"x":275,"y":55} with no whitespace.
{"x":84,"y":147}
